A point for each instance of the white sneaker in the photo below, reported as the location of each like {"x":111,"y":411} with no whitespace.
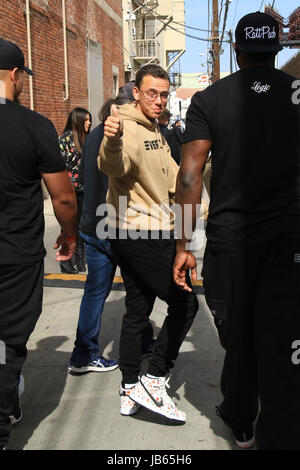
{"x":151,"y":393}
{"x":127,"y":406}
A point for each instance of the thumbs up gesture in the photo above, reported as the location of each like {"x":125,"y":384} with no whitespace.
{"x":113,"y":126}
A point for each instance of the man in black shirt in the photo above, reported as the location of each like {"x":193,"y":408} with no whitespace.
{"x":251,"y":269}
{"x":29,"y":150}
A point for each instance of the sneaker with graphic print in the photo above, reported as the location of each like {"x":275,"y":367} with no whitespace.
{"x":151,"y":393}
{"x":127,"y":406}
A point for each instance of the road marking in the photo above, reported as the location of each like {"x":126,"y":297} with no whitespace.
{"x":82,"y":278}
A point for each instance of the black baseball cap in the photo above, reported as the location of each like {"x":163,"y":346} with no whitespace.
{"x":11,"y":56}
{"x":126,"y":91}
{"x":258,"y":32}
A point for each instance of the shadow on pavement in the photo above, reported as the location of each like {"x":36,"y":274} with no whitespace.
{"x":44,"y":387}
{"x":196,"y":373}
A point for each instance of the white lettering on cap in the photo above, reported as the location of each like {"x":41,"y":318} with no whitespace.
{"x":260,"y":33}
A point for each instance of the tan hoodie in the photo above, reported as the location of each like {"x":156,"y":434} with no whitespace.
{"x":140,"y":167}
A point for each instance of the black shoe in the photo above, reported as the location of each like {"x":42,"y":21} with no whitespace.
{"x":243,"y":436}
{"x":67,"y":267}
{"x":16,"y":415}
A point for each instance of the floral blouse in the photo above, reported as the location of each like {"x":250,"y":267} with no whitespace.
{"x":71,"y":158}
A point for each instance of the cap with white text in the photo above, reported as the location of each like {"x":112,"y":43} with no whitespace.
{"x":258,"y":32}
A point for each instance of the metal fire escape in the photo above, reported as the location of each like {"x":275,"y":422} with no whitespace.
{"x":144,"y":46}
{"x":146,"y":43}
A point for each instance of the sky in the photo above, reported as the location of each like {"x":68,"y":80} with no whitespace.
{"x":196,"y":15}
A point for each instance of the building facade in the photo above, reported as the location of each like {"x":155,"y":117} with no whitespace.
{"x":293,"y":66}
{"x":153,"y":32}
{"x":75,"y":49}
{"x":294,"y":26}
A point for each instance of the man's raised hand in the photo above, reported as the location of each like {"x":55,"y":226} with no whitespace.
{"x":113,"y":126}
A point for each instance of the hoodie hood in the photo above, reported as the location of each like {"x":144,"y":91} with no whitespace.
{"x":131,"y":113}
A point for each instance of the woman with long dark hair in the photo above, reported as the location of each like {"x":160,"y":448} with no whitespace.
{"x":71,"y":142}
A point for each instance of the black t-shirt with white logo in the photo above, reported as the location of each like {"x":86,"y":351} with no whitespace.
{"x":252,"y":118}
{"x":28,"y":147}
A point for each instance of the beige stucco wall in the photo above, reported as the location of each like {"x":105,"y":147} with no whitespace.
{"x":168,"y":39}
{"x":173,"y":41}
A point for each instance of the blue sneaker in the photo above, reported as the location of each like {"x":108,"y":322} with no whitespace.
{"x":98,"y":365}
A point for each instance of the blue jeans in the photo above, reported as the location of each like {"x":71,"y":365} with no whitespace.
{"x":101,"y":270}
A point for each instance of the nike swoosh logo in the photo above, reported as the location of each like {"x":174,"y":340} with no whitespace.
{"x":157,"y":403}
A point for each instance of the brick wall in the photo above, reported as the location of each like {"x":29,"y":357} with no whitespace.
{"x":98,"y":20}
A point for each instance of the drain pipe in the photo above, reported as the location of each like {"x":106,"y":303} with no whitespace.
{"x":66,"y":97}
{"x":27,"y":14}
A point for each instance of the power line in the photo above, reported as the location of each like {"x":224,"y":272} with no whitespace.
{"x":220,"y":14}
{"x":224,"y":22}
{"x":189,"y":27}
{"x":171,"y":27}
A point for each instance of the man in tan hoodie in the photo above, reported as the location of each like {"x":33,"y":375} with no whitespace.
{"x":142,"y":177}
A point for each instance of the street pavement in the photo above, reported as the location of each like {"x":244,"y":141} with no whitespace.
{"x":67,"y":412}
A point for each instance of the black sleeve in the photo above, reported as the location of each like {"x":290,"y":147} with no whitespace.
{"x":82,"y":164}
{"x":197,"y":124}
{"x":49,"y":155}
{"x":175,"y":147}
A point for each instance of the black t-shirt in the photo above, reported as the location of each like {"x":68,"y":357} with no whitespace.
{"x":28,"y":147}
{"x":95,"y":182}
{"x":170,"y":137}
{"x":253,"y":123}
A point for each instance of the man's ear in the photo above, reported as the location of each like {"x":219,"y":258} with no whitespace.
{"x":135,"y":93}
{"x":14,"y":74}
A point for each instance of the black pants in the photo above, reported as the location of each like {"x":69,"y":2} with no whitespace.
{"x":254,"y":295}
{"x":21,"y":293}
{"x":146,"y":268}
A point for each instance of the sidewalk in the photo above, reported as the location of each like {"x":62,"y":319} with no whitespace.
{"x":64,"y":412}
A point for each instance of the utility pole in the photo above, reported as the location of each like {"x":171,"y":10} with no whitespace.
{"x":215,"y":43}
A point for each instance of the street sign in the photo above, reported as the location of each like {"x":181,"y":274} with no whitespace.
{"x":203,"y":80}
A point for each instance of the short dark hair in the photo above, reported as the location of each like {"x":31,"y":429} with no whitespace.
{"x":105,"y":110}
{"x":164,"y":116}
{"x":153,"y":70}
{"x":125,"y":91}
